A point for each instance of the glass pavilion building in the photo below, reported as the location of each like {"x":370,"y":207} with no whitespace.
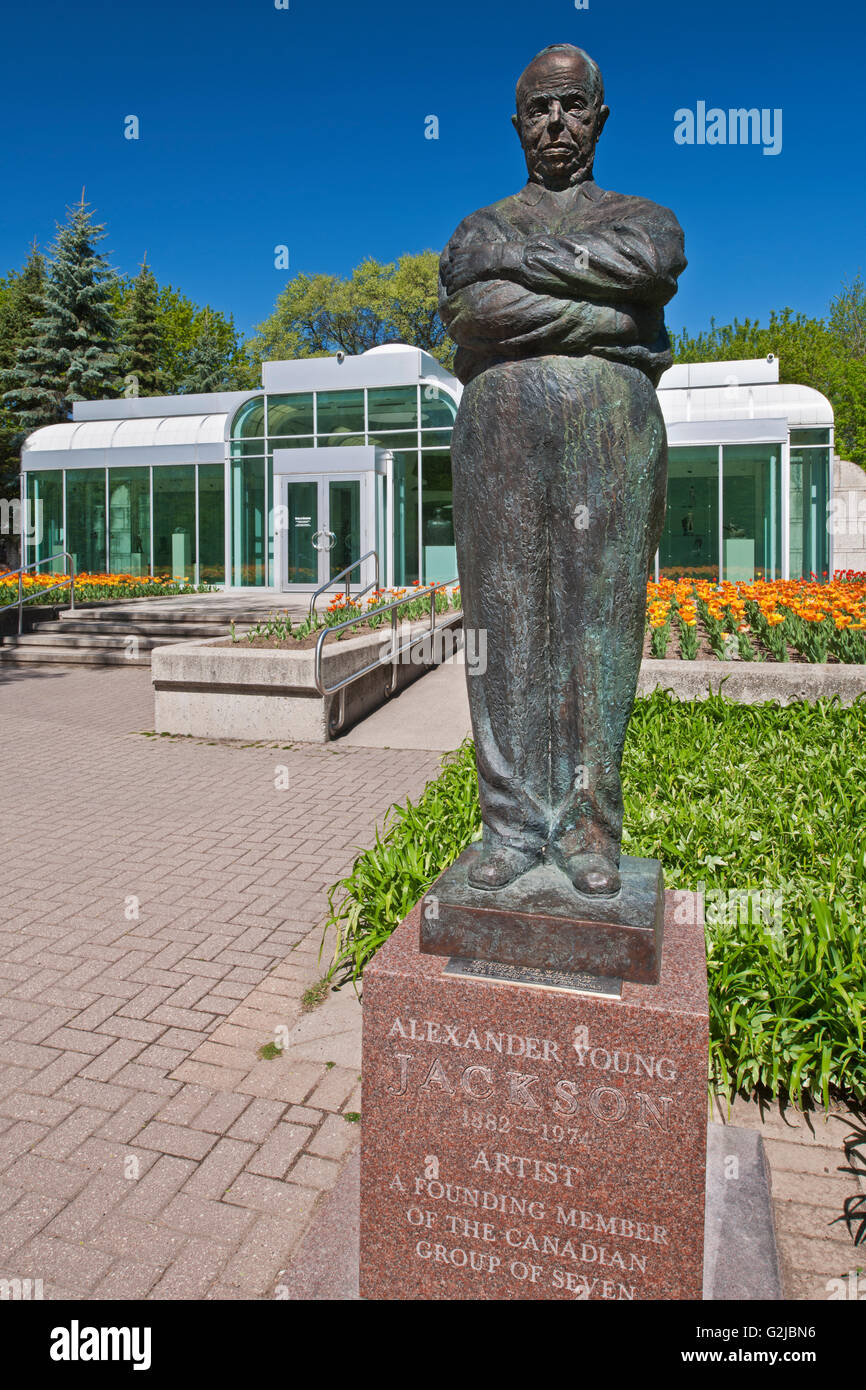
{"x":337,"y":457}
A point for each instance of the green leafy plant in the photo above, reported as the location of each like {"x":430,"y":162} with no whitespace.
{"x":659,"y":639}
{"x":773,"y":636}
{"x":275,"y":625}
{"x":810,"y":639}
{"x":714,"y":628}
{"x":688,"y":639}
{"x":848,"y":646}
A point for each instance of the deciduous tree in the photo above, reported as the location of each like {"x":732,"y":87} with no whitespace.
{"x":315,"y":315}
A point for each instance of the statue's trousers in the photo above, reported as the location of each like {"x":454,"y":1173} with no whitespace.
{"x":560,"y":470}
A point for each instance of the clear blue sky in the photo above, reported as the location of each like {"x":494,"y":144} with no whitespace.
{"x":305,"y":126}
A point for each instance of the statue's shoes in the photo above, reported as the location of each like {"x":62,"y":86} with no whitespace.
{"x":496,"y":868}
{"x":592,"y":875}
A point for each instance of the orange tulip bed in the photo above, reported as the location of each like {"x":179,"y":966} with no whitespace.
{"x":343,"y":606}
{"x":91,"y":588}
{"x":766,"y":620}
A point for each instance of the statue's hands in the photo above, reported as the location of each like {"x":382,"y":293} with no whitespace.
{"x":591,"y":325}
{"x":480,"y":260}
{"x":462,"y":266}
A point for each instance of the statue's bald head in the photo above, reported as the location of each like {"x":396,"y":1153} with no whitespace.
{"x":556,"y":61}
{"x":560,"y":115}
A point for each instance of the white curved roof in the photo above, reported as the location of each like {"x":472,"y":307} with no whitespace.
{"x":801,"y":406}
{"x":153,"y":430}
{"x":388,"y":347}
{"x":691,"y":393}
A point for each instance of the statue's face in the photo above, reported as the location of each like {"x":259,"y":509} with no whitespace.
{"x":559,"y":119}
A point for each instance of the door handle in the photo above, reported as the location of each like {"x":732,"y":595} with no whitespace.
{"x":316,"y":540}
{"x":333,"y":540}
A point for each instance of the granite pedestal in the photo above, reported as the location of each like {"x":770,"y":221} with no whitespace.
{"x":522,"y":1141}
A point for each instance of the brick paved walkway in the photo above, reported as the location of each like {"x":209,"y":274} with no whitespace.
{"x":160,"y":922}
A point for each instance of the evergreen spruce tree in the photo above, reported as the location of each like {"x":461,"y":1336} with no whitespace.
{"x":206,"y":363}
{"x":141,"y":335}
{"x":20,"y":305}
{"x":70,"y":357}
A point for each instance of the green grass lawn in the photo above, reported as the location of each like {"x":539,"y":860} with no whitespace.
{"x":730,"y":798}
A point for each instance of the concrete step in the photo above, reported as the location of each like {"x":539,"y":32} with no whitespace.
{"x":69,"y":656}
{"x":181,"y":618}
{"x":96,"y":641}
{"x":177,"y":632}
{"x":100,"y":636}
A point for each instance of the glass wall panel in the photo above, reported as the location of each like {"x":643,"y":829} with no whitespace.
{"x":690,"y":539}
{"x":810,"y":436}
{"x":302,"y":441}
{"x":129,"y":520}
{"x":43,"y":521}
{"x":436,"y":439}
{"x":752,"y":511}
{"x":248,"y":521}
{"x":392,"y":408}
{"x":174,"y":548}
{"x":344,"y":437}
{"x":290,"y":414}
{"x":340,"y":414}
{"x":252,"y":448}
{"x":437,"y":408}
{"x":437,"y":517}
{"x":249,"y":422}
{"x":344,"y":521}
{"x":405,"y":518}
{"x":390,"y":440}
{"x":85,"y":519}
{"x":211,"y":523}
{"x":809,"y":546}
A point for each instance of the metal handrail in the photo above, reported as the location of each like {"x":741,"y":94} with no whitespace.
{"x":395,"y":652}
{"x":336,"y":577}
{"x":20,"y":601}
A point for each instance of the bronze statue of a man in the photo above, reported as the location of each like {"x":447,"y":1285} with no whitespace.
{"x":555,"y":297}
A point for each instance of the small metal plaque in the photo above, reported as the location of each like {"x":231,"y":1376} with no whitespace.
{"x":578,"y":983}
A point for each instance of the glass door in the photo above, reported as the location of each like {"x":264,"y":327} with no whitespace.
{"x":344,"y":526}
{"x":325,"y":530}
{"x":303,"y":557}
